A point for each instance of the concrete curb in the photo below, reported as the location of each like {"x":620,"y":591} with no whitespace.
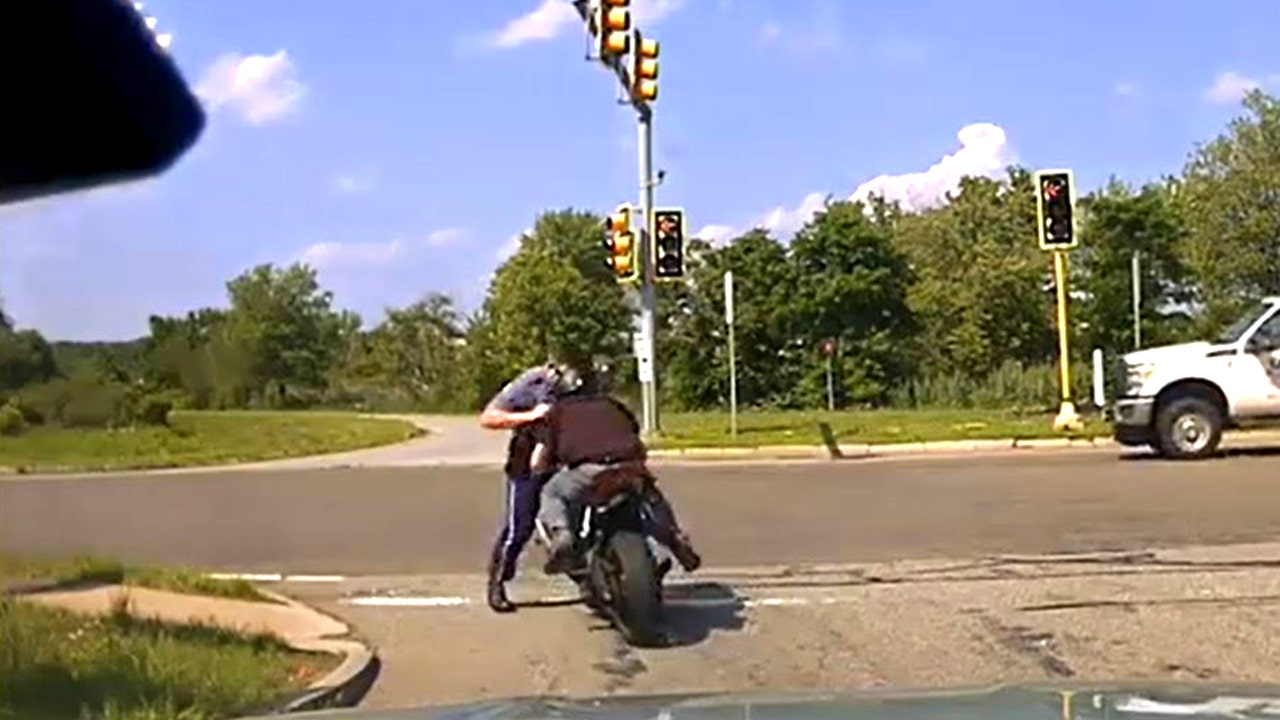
{"x":345,"y":685}
{"x":863,"y":450}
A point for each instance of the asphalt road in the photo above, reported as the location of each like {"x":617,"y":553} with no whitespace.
{"x":1170,"y":615}
{"x":433,"y":520}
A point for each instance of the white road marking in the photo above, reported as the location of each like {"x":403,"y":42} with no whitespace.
{"x":439,"y":601}
{"x":251,"y":577}
{"x":276,"y":577}
{"x":392,"y":601}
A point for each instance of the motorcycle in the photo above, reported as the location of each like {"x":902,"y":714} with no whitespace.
{"x":617,"y":573}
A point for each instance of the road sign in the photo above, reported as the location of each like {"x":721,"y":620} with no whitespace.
{"x":728,"y":297}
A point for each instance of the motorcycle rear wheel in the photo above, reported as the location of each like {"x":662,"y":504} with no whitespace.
{"x":634,"y":594}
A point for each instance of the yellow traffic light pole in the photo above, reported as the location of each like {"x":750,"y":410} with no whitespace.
{"x":1056,"y":228}
{"x":1067,"y":418}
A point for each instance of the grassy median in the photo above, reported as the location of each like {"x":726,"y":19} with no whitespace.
{"x":200,"y":438}
{"x":763,"y":428}
{"x":56,"y":665}
{"x":18,"y":570}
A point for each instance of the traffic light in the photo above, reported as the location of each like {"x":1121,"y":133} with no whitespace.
{"x":1055,"y":209}
{"x":644,"y":68}
{"x":620,"y":242}
{"x":612,"y":26}
{"x":668,"y":244}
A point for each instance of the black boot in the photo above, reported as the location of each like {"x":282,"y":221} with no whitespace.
{"x":560,"y":552}
{"x":497,"y":596}
{"x":685,"y":554}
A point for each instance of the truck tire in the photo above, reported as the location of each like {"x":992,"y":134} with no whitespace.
{"x":1188,"y":427}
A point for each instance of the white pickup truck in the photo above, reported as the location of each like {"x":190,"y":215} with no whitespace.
{"x":1177,"y":399}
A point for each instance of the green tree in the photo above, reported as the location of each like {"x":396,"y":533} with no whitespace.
{"x":695,"y":346}
{"x":26,"y":358}
{"x":981,"y":295}
{"x":1231,"y":196}
{"x":415,"y":350}
{"x":554,"y":298}
{"x":288,"y":330}
{"x":1116,"y":223}
{"x":851,"y":286}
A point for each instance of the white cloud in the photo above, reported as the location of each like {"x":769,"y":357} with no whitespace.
{"x":984,"y":152}
{"x":349,"y":184}
{"x":1125,"y":89}
{"x":334,"y":255}
{"x":443,"y":238}
{"x":1230,"y":87}
{"x":544,"y":22}
{"x":715,"y":234}
{"x":511,"y":246}
{"x":259,"y":89}
{"x":331,"y":254}
{"x":819,"y":34}
{"x":551,"y":18}
{"x":783,"y":222}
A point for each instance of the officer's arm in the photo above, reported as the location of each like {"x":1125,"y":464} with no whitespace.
{"x":504,"y":412}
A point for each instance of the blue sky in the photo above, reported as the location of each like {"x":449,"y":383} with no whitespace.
{"x":399,"y":145}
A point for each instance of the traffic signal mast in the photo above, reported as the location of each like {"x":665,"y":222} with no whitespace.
{"x":633,"y":58}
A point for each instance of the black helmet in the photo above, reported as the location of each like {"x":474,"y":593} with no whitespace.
{"x":568,"y":380}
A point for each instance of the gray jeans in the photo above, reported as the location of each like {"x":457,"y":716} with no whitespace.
{"x":563,"y":494}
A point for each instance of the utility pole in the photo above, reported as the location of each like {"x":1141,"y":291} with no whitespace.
{"x":648,"y":301}
{"x":733,"y":354}
{"x":1137,"y":299}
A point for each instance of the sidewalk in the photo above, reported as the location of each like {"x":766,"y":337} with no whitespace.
{"x":299,"y":626}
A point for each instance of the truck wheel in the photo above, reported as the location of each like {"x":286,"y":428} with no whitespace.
{"x":1188,"y":428}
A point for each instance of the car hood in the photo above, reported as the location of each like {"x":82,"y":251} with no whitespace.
{"x":1165,"y":352}
{"x":1024,"y":702}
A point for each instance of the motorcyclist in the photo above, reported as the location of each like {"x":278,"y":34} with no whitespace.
{"x":584,"y":435}
{"x":518,"y":407}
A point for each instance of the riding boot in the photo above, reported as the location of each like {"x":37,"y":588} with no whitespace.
{"x":496,"y":594}
{"x":684,"y":552}
{"x":559,"y":551}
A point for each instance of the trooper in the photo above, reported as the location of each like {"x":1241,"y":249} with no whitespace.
{"x":519,"y":407}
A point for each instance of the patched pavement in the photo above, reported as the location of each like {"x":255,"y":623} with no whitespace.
{"x":1200,"y":613}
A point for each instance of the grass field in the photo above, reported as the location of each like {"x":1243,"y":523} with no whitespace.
{"x":15,"y":570}
{"x":200,"y":438}
{"x":757,"y":429}
{"x":58,"y":665}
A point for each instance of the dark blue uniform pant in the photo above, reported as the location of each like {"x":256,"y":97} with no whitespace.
{"x":523,"y":493}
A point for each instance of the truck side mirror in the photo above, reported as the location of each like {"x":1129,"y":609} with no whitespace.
{"x":91,"y":98}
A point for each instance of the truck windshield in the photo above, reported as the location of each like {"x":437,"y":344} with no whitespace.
{"x":1238,"y":328}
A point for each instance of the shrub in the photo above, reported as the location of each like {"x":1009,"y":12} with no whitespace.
{"x":94,"y":405}
{"x":45,"y":401}
{"x":153,"y":410}
{"x":11,"y":420}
